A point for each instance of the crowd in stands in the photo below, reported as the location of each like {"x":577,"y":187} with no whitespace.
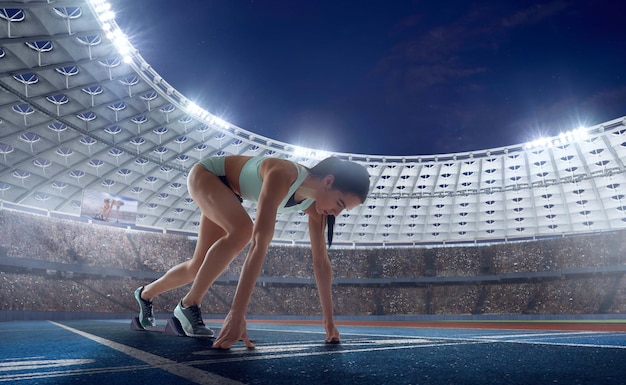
{"x":71,"y":242}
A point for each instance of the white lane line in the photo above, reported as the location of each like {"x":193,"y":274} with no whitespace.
{"x":530,"y":339}
{"x":10,"y":359}
{"x":360,"y":334}
{"x":243,"y":354}
{"x":15,"y":365}
{"x":345,"y":347}
{"x":579,"y":345}
{"x":533,"y":335}
{"x":181,"y":370}
{"x":70,"y":372}
{"x":506,"y":338}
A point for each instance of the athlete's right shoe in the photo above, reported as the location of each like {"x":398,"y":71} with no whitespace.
{"x":145,"y":309}
{"x":190,"y":319}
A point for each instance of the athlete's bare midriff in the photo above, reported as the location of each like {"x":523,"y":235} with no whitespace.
{"x":233,"y":165}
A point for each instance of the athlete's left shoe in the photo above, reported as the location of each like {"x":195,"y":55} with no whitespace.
{"x":145,"y":309}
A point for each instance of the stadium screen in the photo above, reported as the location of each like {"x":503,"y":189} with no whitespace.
{"x":108,"y":208}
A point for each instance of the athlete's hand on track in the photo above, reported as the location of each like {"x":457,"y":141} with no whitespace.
{"x":233,"y":330}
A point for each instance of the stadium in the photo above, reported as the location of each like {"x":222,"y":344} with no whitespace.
{"x":531,"y":233}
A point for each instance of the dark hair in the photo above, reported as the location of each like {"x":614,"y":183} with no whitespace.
{"x":350,"y":177}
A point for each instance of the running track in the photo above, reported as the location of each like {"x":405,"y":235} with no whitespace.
{"x":442,"y":353}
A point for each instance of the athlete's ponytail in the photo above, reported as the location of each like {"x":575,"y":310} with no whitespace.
{"x":330,"y":225}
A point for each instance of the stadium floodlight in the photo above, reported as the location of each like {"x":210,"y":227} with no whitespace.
{"x":301,"y":152}
{"x":101,"y":6}
{"x":581,"y":133}
{"x":320,"y":154}
{"x":122,"y":44}
{"x":104,"y":13}
{"x":220,"y":122}
{"x":97,"y":3}
{"x":195,"y":109}
{"x":564,"y":138}
{"x":106,"y":16}
{"x":304,"y":152}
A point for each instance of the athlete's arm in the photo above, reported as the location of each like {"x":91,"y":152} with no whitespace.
{"x":323,"y":271}
{"x":276,"y":181}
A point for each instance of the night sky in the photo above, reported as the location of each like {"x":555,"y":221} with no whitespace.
{"x":390,"y":77}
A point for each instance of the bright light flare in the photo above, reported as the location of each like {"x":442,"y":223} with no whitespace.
{"x":195,"y":109}
{"x":219,"y":121}
{"x":203,"y":114}
{"x":106,"y":16}
{"x":304,"y":152}
{"x":581,"y":133}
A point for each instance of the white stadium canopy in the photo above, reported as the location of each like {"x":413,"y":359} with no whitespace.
{"x":80,"y":109}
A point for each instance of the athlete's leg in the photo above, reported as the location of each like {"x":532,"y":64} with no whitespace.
{"x":225,"y":229}
{"x":220,"y":206}
{"x":179,"y":275}
{"x":185,"y":272}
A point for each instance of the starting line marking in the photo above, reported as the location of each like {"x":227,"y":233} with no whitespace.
{"x":279,"y":351}
{"x":181,"y":370}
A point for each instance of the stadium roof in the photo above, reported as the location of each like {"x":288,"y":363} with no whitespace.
{"x":81,"y":110}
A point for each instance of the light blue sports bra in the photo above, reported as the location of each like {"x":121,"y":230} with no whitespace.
{"x":250,"y":183}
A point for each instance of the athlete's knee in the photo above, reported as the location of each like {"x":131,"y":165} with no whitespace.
{"x":240,"y":237}
{"x":193,"y":267}
{"x":187,"y":270}
{"x":246,"y":232}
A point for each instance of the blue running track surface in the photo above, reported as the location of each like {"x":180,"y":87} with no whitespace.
{"x":108,"y":352}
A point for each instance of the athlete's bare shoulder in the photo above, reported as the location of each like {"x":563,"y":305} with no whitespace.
{"x":279,"y":166}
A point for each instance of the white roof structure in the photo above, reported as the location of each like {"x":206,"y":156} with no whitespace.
{"x":80,"y":109}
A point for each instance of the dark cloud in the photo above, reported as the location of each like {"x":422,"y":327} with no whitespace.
{"x":534,"y":14}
